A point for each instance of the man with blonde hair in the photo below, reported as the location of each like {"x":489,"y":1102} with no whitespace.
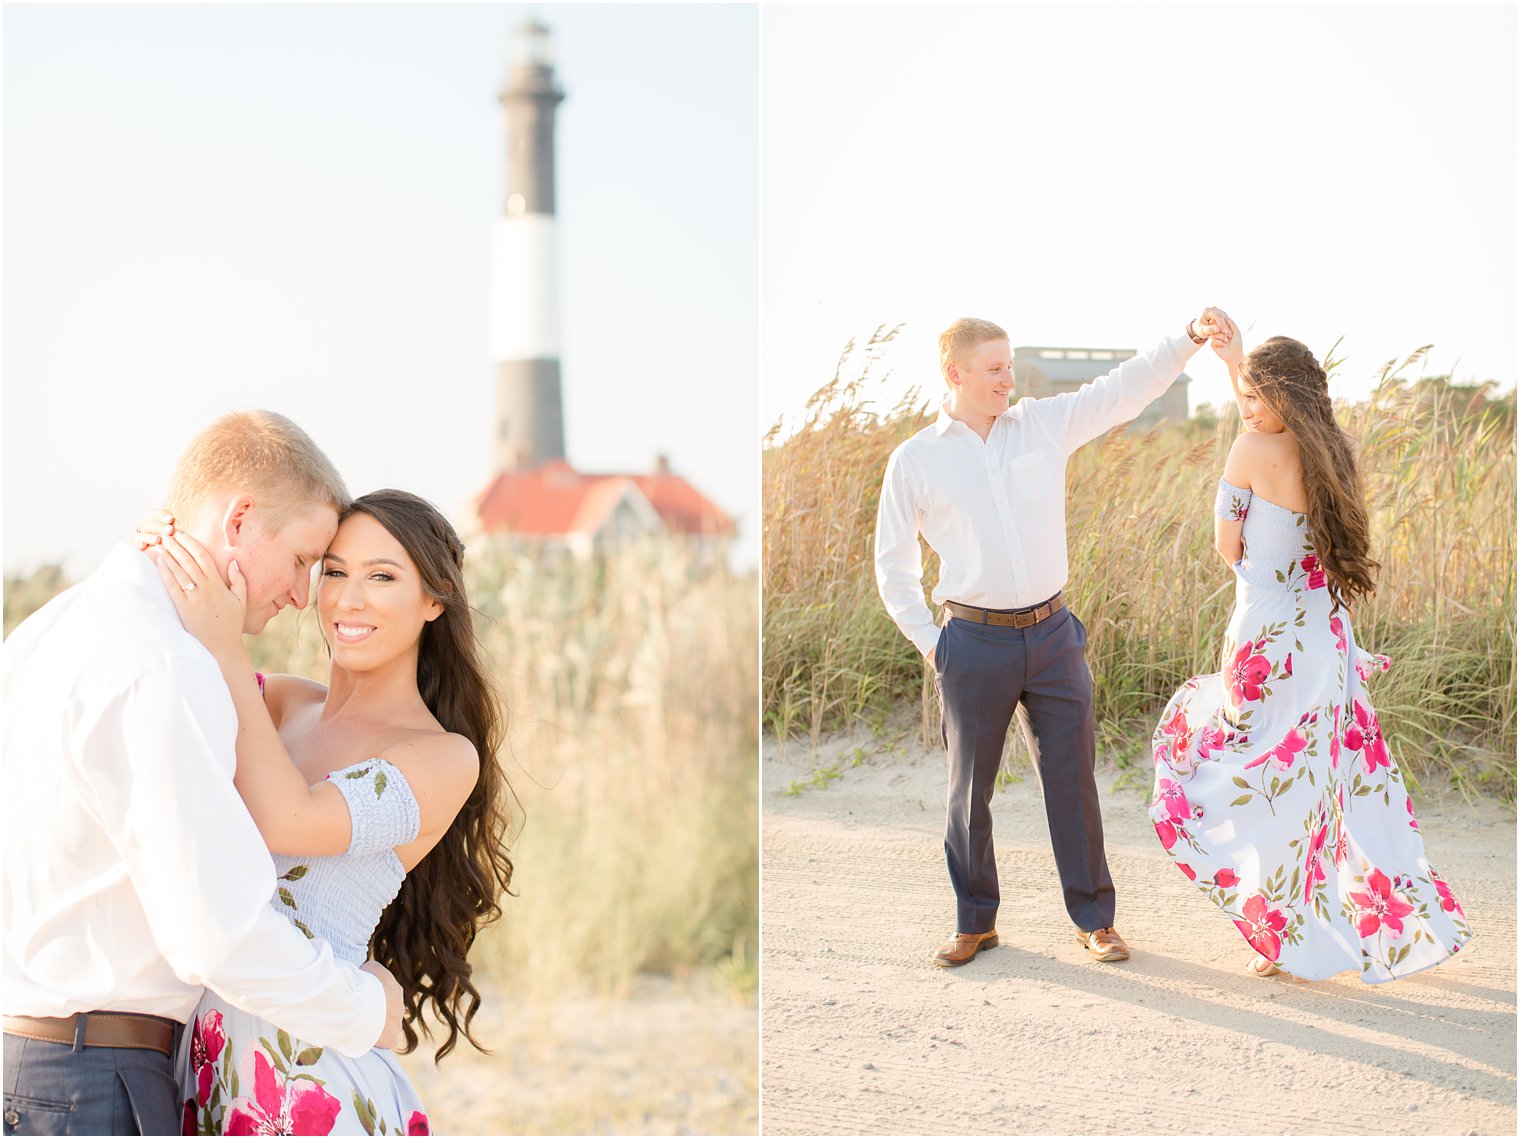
{"x":985,"y":486}
{"x":134,"y":876}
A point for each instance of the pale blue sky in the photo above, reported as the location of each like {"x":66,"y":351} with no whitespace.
{"x":209,"y":207}
{"x":1092,"y":174}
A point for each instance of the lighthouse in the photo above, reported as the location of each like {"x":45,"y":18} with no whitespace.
{"x":530,"y":426}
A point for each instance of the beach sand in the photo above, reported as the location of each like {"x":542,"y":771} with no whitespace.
{"x":673,"y":1058}
{"x":862,"y":1034}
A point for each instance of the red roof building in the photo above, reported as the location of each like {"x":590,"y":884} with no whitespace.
{"x":555,"y":505}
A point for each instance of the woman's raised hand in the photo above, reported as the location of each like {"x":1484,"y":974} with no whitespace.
{"x":210,"y":609}
{"x":152,"y":529}
{"x":1208,"y":325}
{"x":1228,"y":346}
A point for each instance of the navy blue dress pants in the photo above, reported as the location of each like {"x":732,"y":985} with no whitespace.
{"x":986,"y":675}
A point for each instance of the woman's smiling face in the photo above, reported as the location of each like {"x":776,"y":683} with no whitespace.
{"x":370,"y":596}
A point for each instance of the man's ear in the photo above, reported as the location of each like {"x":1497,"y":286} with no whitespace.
{"x":235,"y":520}
{"x":952,"y":374}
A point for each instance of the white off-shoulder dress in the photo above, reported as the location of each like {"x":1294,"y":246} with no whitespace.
{"x":1275,"y":790}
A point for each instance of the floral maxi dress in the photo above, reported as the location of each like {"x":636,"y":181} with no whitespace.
{"x":1275,"y":791}
{"x":241,"y":1075}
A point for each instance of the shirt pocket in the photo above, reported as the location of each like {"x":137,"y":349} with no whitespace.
{"x":1030,"y":475}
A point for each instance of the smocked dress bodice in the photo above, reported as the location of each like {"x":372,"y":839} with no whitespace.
{"x":340,"y":897}
{"x":1278,"y":553}
{"x":240,"y":1074}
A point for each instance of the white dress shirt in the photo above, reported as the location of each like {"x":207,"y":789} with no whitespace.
{"x":133,"y":873}
{"x":995,"y":512}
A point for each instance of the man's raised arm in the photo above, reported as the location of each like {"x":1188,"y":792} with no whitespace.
{"x":1123,"y":393}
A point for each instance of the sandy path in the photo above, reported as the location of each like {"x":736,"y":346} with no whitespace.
{"x":674,"y":1058}
{"x":861,"y":1034}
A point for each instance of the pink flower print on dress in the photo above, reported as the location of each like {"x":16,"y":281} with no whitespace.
{"x":1188,"y":870}
{"x":1262,"y":927}
{"x":418,"y":1124}
{"x":1182,"y":740}
{"x":1246,"y":674}
{"x":278,"y":1107}
{"x":1409,"y":806}
{"x":1284,"y":753}
{"x":1177,"y":810}
{"x":207,"y":1039}
{"x":1314,"y":867}
{"x":1378,"y":906}
{"x":1443,"y":891}
{"x":1210,"y":740}
{"x":1370,"y":662}
{"x":1366,"y":737}
{"x":1225,"y":878}
{"x":1315,"y":571}
{"x":1340,"y":634}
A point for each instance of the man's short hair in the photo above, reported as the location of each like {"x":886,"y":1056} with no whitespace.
{"x":263,"y":454}
{"x":961,"y":337}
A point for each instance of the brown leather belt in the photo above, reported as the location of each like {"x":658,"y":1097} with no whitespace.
{"x":1018,"y":618}
{"x":101,"y":1030}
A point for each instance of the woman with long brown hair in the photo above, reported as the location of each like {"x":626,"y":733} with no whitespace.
{"x":1275,"y":791}
{"x":379,"y":796}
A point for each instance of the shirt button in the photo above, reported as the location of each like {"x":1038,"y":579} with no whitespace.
{"x":12,"y":1118}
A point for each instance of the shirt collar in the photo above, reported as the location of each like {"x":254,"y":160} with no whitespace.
{"x":944,"y":420}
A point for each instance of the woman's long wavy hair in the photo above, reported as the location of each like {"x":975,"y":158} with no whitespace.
{"x":425,"y":935}
{"x":1289,"y":380}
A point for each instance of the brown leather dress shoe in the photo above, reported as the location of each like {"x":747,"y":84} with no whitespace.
{"x":1104,"y":944}
{"x":964,"y":947}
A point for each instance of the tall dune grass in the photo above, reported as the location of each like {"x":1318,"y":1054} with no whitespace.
{"x":1440,"y":466}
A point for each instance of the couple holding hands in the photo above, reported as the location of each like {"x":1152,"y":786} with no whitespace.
{"x":1275,"y":792}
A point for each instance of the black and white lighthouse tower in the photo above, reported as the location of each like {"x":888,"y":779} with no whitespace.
{"x":530,"y":424}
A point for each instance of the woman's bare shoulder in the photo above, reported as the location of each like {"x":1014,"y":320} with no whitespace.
{"x":442,"y":768}
{"x":1256,"y":454}
{"x":436,"y":753}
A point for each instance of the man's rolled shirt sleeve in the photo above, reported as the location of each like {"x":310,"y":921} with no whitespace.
{"x":899,"y":562}
{"x":199,"y":866}
{"x":1117,"y":397}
